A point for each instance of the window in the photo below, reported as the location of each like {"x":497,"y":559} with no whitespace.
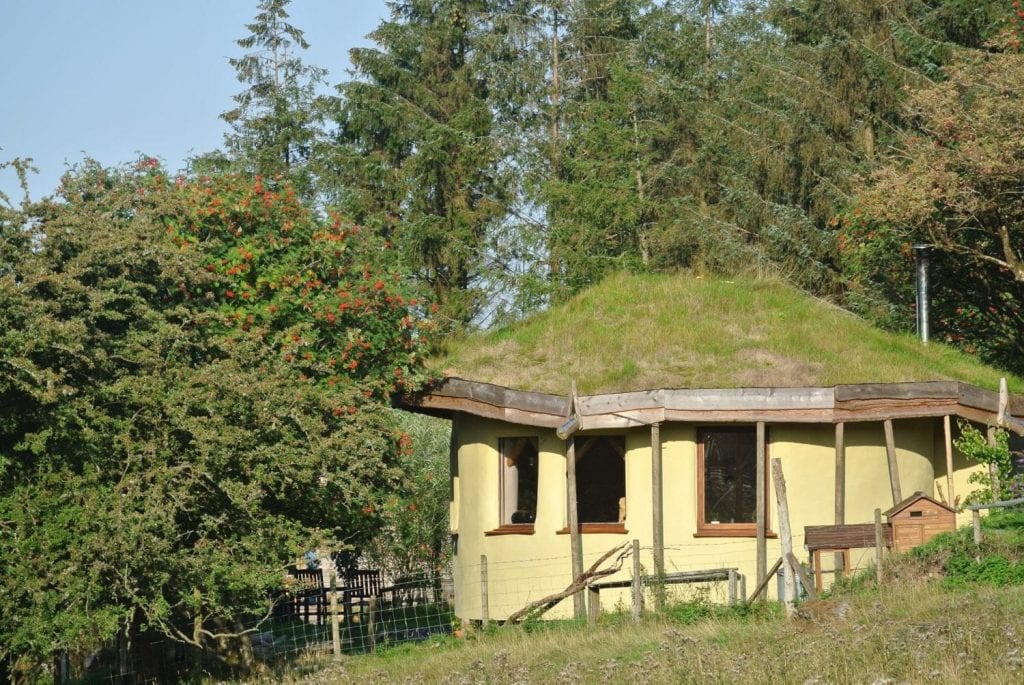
{"x":519,"y":458}
{"x":727,"y":473}
{"x":600,"y":479}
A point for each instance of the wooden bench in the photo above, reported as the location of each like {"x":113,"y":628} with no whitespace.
{"x":842,"y":539}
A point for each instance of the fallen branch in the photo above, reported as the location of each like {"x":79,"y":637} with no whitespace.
{"x":538,"y":608}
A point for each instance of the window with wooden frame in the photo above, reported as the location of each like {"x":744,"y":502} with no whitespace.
{"x":727,"y":481}
{"x":518,"y":482}
{"x":600,"y":480}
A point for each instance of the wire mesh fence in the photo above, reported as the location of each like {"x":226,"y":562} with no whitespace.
{"x":305,"y":628}
{"x":315,"y":622}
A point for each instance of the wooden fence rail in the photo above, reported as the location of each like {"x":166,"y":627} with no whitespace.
{"x":976,"y":513}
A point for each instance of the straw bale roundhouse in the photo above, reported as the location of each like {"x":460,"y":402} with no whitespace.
{"x":685,"y":388}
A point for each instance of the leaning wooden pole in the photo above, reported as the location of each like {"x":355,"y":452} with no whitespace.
{"x":894,"y":468}
{"x":840,"y":514}
{"x":785,"y":538}
{"x":761,"y":512}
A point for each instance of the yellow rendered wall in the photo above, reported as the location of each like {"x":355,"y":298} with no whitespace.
{"x":523,"y":568}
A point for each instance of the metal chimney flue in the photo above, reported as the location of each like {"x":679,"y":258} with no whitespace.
{"x":922,"y":253}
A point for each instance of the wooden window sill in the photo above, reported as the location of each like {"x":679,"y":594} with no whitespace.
{"x":726,"y":531}
{"x":614,"y":528}
{"x":512,"y":529}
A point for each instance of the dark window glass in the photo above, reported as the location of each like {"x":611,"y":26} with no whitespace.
{"x":519,"y":458}
{"x":730,"y":475}
{"x":600,"y":478}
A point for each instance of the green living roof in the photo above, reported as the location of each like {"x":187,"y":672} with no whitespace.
{"x":639,"y":332}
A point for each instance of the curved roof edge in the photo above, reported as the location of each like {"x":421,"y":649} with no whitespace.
{"x":862,"y":402}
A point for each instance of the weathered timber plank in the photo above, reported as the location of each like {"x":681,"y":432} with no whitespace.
{"x":440,"y":404}
{"x":973,"y":396}
{"x":622,"y":401}
{"x":752,"y":416}
{"x":501,"y":396}
{"x":849,"y":536}
{"x":625,"y":419}
{"x":898,"y":391}
{"x":734,"y":399}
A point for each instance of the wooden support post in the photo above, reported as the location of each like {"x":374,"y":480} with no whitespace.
{"x":733,"y":586}
{"x":485,"y":609}
{"x":593,"y":604}
{"x":785,"y":537}
{"x":371,"y":622}
{"x":840,"y":514}
{"x":657,"y":503}
{"x":947,"y":431}
{"x":637,"y":587}
{"x":879,"y":542}
{"x":761,"y":506}
{"x":894,"y":468}
{"x":575,"y":543}
{"x":335,"y":628}
{"x":976,"y":523}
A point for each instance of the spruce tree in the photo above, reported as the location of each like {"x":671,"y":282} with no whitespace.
{"x":417,"y":162}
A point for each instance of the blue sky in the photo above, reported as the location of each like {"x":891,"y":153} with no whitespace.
{"x":113,"y":79}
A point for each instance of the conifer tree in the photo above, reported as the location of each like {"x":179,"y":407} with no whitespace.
{"x":279,"y":118}
{"x":417,"y":163}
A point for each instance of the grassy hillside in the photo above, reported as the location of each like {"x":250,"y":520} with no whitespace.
{"x":635,"y":332}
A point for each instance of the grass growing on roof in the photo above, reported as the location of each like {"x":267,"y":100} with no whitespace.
{"x":635,"y":332}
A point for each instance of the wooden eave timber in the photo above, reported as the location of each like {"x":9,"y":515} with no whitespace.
{"x":846,"y":403}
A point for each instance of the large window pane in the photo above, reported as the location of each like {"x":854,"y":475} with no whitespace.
{"x":729,"y":460}
{"x":600,"y":478}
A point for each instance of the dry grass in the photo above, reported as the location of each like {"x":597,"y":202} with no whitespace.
{"x":635,"y":332}
{"x":912,"y":632}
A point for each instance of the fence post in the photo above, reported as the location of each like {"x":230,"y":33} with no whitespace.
{"x":371,"y":628}
{"x":636,"y":588}
{"x":976,"y":520}
{"x":593,"y":604}
{"x":733,"y":583}
{"x":878,"y":545}
{"x":485,"y":613}
{"x":335,"y":628}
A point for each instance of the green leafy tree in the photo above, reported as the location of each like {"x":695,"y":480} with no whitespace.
{"x":956,"y":185}
{"x":180,"y":417}
{"x":997,"y":478}
{"x":414,"y":538}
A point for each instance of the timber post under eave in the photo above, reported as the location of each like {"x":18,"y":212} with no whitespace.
{"x":761,"y":486}
{"x":894,"y":468}
{"x":658,"y":523}
{"x":575,"y":543}
{"x":840,"y":516}
{"x":947,"y":431}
